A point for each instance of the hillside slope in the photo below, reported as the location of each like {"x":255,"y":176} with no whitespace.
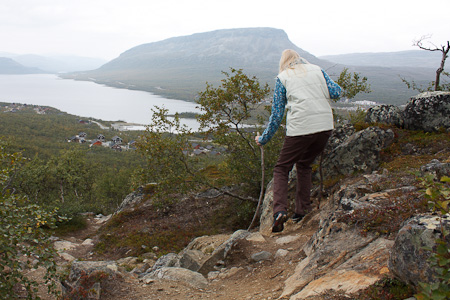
{"x":9,"y":66}
{"x":411,"y":58}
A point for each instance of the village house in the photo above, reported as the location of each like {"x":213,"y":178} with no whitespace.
{"x":116,"y":147}
{"x":73,"y":139}
{"x":132,"y":145}
{"x":117,"y":140}
{"x":95,"y":143}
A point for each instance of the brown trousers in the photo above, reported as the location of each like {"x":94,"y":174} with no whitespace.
{"x":301,"y":151}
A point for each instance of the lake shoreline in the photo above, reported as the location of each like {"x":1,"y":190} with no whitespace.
{"x":90,"y":100}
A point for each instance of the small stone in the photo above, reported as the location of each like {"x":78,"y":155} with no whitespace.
{"x":66,"y":256}
{"x":281,"y":253}
{"x":287,"y":239}
{"x":88,"y":242}
{"x":256,"y":237}
{"x":213,"y":275}
{"x":260,"y":256}
{"x":149,"y":281}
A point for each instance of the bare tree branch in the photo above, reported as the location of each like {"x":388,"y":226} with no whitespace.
{"x":443,"y":48}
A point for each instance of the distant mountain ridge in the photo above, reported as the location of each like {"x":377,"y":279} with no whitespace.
{"x":56,"y":63}
{"x":179,"y":67}
{"x":9,"y":66}
{"x":411,"y":58}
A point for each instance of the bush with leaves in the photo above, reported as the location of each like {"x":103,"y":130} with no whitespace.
{"x":352,"y":84}
{"x":24,"y":243}
{"x":226,"y":113}
{"x":167,"y":164}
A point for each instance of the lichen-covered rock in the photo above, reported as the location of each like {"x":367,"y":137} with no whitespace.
{"x":340,"y":135}
{"x":437,"y":168}
{"x":168,"y":260}
{"x":199,"y":250}
{"x":387,"y":114}
{"x":87,"y":277}
{"x":428,"y":111}
{"x":192,"y":278}
{"x":408,"y":259}
{"x":221,"y":252}
{"x":360,"y":152}
{"x":131,"y":200}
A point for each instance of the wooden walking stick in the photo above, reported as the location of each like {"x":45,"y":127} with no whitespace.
{"x":261,"y":194}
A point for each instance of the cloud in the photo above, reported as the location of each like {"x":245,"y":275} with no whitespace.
{"x":105,"y":28}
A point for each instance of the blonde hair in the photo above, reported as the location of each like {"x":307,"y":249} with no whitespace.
{"x":289,"y":58}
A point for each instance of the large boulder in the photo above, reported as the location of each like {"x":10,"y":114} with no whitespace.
{"x":428,"y":111}
{"x":359,"y":153}
{"x":386,"y":114}
{"x":202,"y":255}
{"x":186,"y":276}
{"x":131,"y":200}
{"x":221,"y":252}
{"x":409,"y":258}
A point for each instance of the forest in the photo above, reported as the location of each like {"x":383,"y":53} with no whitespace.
{"x":71,"y":176}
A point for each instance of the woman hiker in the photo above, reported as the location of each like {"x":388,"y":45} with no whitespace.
{"x":304,"y":90}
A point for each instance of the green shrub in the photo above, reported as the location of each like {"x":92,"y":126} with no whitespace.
{"x":24,"y":240}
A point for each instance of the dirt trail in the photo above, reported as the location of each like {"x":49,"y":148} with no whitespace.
{"x":242,"y":279}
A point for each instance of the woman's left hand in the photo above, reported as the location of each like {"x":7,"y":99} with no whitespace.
{"x":257,"y":140}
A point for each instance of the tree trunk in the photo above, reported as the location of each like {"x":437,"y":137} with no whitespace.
{"x":62,"y":192}
{"x":441,"y":67}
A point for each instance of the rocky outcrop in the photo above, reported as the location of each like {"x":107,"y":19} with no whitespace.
{"x":386,"y":114}
{"x":428,"y":111}
{"x":338,"y":256}
{"x":347,"y":152}
{"x":409,"y":258}
{"x":136,"y":198}
{"x":131,"y":200}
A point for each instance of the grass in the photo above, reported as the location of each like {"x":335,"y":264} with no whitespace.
{"x":170,"y":228}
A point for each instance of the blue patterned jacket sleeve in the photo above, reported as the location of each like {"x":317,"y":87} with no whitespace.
{"x":278,"y":106}
{"x":334,"y":89}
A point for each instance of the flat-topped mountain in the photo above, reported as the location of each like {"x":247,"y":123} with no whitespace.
{"x":179,"y":67}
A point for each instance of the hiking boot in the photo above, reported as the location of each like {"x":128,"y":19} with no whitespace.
{"x":297,"y":217}
{"x":278,"y":221}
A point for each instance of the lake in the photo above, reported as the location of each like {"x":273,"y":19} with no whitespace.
{"x":87,"y":99}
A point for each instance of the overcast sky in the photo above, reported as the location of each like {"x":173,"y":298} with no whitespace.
{"x":106,"y":28}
